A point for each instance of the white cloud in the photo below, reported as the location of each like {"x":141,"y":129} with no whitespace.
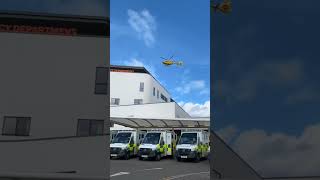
{"x":198,"y":85}
{"x":119,"y":30}
{"x":228,"y":133}
{"x":144,"y":24}
{"x":134,"y":62}
{"x":195,"y":109}
{"x":278,"y":154}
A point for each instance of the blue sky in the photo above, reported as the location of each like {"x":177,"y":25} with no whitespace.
{"x":266,"y":95}
{"x":143,"y":31}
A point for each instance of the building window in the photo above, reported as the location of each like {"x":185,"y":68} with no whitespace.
{"x":101,"y":82}
{"x":164,"y":98}
{"x":16,"y":126}
{"x":141,"y":87}
{"x":88,"y":127}
{"x":115,"y":101}
{"x":154,"y":91}
{"x":138,"y":101}
{"x":157,"y":94}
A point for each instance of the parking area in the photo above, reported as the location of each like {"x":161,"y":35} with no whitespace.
{"x":166,"y":169}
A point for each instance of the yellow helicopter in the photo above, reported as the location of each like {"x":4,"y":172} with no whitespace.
{"x":170,"y":61}
{"x":224,"y":7}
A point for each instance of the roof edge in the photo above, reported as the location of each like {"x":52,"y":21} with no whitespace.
{"x":53,"y":16}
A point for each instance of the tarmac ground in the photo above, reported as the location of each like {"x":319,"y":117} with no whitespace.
{"x":166,"y":169}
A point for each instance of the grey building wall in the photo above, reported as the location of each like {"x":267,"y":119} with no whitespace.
{"x":51,"y":79}
{"x":86,"y":156}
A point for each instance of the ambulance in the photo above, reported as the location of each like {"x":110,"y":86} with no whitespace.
{"x":114,"y":129}
{"x":157,"y":144}
{"x":125,"y":144}
{"x":193,"y":144}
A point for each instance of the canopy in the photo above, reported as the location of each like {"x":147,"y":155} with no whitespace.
{"x":161,"y":123}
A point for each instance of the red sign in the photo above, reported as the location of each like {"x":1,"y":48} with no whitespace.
{"x":121,"y":70}
{"x":38,"y":29}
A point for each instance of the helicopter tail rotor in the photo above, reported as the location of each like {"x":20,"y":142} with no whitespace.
{"x":179,"y":63}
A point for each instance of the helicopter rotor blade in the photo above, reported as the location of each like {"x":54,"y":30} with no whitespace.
{"x":162,"y":57}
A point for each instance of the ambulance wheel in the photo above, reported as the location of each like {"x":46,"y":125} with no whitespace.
{"x":127,"y":156}
{"x":178,"y":159}
{"x":197,"y":158}
{"x":158,"y":157}
{"x":140,"y":158}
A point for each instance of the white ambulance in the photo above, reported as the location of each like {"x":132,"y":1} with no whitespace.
{"x":125,"y":144}
{"x":193,"y":144}
{"x":157,"y":144}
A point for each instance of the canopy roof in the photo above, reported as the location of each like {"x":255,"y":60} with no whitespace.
{"x":162,"y":123}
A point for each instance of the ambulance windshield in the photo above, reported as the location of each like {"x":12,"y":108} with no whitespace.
{"x":151,"y":138}
{"x":188,"y":138}
{"x":122,"y":138}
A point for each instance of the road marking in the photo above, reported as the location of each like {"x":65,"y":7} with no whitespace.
{"x":184,"y":175}
{"x":151,"y":169}
{"x":126,"y":173}
{"x":119,"y":174}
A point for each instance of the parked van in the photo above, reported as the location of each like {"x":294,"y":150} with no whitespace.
{"x":193,"y":144}
{"x":125,"y":144}
{"x":157,"y":144}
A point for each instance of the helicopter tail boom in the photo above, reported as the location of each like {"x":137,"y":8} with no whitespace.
{"x":179,"y":63}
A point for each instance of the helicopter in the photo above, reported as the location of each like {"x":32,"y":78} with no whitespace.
{"x":224,"y":7}
{"x":170,"y":61}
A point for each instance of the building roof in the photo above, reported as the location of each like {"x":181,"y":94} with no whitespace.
{"x":133,"y":69}
{"x":161,"y":123}
{"x":51,"y":16}
{"x":136,"y":69}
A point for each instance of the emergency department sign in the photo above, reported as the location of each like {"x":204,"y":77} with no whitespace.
{"x":54,"y":24}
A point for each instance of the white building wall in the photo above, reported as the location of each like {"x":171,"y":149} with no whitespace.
{"x":126,"y":86}
{"x":160,"y":110}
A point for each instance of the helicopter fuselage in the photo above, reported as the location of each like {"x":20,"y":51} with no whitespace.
{"x":168,"y":62}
